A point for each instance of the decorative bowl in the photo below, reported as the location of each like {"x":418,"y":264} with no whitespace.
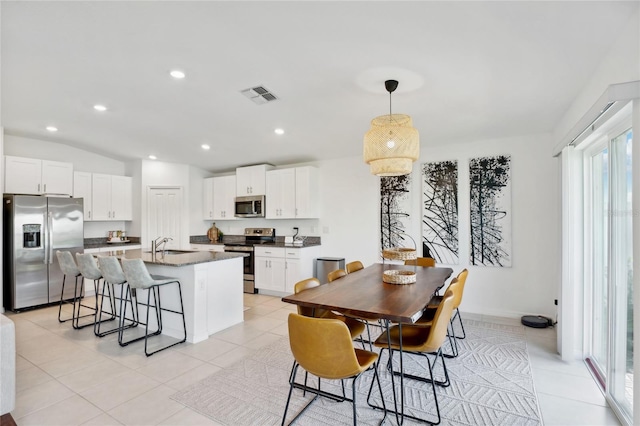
{"x":400,"y":253}
{"x":399,"y":276}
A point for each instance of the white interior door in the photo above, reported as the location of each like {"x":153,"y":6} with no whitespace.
{"x":164,"y":214}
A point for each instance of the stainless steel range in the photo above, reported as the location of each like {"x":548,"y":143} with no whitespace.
{"x":252,"y":237}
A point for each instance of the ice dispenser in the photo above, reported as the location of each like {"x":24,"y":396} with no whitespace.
{"x":31,"y":236}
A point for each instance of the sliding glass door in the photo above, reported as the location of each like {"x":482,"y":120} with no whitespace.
{"x":608,"y":270}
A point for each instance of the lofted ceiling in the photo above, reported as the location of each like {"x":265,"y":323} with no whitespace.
{"x":467,"y":71}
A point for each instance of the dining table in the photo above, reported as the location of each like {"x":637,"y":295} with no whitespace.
{"x":364,"y":294}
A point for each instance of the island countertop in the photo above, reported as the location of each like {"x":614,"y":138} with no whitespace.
{"x":182,"y":259}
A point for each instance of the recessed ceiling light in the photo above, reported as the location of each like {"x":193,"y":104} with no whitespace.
{"x":177,"y":74}
{"x":100,"y":108}
{"x":52,"y":129}
{"x":205,"y":146}
{"x":279,"y":131}
{"x":153,"y":157}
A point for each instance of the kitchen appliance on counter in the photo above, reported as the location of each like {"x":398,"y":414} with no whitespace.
{"x":252,"y":237}
{"x":34,"y":229}
{"x":251,"y":206}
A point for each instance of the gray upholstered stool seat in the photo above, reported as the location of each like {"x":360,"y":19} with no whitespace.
{"x":69,"y":269}
{"x":112,"y":275}
{"x":139,"y":279}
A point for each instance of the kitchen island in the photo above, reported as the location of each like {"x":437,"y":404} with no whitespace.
{"x":211,"y":290}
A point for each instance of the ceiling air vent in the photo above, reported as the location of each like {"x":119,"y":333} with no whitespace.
{"x":259,"y":95}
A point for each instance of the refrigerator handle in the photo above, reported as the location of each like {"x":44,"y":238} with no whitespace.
{"x":50,"y":238}
{"x":45,"y":235}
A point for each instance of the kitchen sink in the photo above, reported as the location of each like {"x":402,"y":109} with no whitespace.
{"x":172,"y":252}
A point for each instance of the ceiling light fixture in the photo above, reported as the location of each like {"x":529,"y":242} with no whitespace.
{"x":100,"y":108}
{"x":392,"y":144}
{"x":52,"y":129}
{"x":279,"y":131}
{"x":153,"y":157}
{"x":177,"y":74}
{"x":205,"y":146}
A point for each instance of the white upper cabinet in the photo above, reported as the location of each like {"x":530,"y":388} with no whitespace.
{"x":281,"y":194}
{"x":292,"y":193}
{"x":33,"y":176}
{"x":207,"y":199}
{"x":82,"y":189}
{"x":111,"y":197}
{"x":307,"y":197}
{"x":224,"y":194}
{"x":251,"y":180}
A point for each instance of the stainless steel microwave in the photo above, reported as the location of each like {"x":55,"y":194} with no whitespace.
{"x":252,"y":206}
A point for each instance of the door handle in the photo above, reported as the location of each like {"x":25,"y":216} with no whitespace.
{"x":45,"y":222}
{"x":38,"y":188}
{"x":114,"y":214}
{"x":50,"y":230}
{"x":45,"y":187}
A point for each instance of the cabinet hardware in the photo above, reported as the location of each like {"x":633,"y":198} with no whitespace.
{"x":45,"y":187}
{"x":38,"y":187}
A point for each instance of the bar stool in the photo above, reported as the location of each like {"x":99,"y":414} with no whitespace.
{"x":88,"y":267}
{"x":139,"y":278}
{"x":69,"y":269}
{"x":113,"y":275}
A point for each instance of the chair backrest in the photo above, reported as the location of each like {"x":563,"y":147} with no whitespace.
{"x":462,"y":279}
{"x":88,"y":266}
{"x":334,"y":275}
{"x":67,"y":264}
{"x":111,"y":270}
{"x":323,"y":347}
{"x":440,"y":322}
{"x":356,"y":265}
{"x":136,"y":273}
{"x":305,"y":285}
{"x":422,"y":261}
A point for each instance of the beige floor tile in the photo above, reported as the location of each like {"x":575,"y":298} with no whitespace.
{"x":85,"y":378}
{"x":231,"y":357}
{"x":567,"y":412}
{"x":150,"y":408}
{"x":102,"y":420}
{"x":30,"y":377}
{"x":79,"y":359}
{"x":192,"y":376}
{"x":281,"y":330}
{"x":281,"y":314}
{"x":541,"y":358}
{"x":239,"y":334}
{"x":264,"y":323}
{"x":262,"y":341}
{"x":262,"y":309}
{"x":45,"y":349}
{"x":22,"y":363}
{"x":210,"y":348}
{"x":188,"y":417}
{"x":169,"y":367}
{"x":118,"y":390}
{"x":26,"y":330}
{"x":583,"y":389}
{"x":39,"y":397}
{"x":251,"y":300}
{"x":71,"y":411}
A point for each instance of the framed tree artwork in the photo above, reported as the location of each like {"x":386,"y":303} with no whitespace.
{"x":440,"y":211}
{"x":490,"y":205}
{"x":395,"y":208}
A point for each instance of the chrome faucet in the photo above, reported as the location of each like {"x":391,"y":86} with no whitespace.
{"x":155,"y":243}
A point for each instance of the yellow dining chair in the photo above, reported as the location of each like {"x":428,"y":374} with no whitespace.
{"x":462,"y":279}
{"x":422,"y":341}
{"x":354,"y":266}
{"x":323,"y":347}
{"x":334,"y":275}
{"x":422,"y":261}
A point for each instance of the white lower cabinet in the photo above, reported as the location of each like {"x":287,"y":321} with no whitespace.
{"x":280,"y":268}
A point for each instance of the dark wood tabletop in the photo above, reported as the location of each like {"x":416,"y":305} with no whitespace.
{"x":363,"y":293}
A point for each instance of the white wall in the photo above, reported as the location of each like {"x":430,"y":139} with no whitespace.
{"x":620,"y":65}
{"x":83,"y":161}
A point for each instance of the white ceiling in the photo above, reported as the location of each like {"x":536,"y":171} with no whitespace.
{"x":467,"y":71}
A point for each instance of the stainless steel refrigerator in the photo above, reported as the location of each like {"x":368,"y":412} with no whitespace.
{"x":35,"y":228}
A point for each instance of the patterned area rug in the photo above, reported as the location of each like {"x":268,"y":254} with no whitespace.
{"x":491,"y":384}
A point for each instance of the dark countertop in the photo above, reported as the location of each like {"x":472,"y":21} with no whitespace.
{"x":182,"y":259}
{"x":202,"y":239}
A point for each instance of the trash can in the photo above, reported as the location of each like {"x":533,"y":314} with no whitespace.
{"x":324,"y":265}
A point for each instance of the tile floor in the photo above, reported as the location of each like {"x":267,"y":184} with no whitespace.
{"x":71,"y":377}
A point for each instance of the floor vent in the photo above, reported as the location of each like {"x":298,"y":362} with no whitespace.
{"x":259,"y":95}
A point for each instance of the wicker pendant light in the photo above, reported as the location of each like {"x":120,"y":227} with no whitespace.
{"x":392,"y":143}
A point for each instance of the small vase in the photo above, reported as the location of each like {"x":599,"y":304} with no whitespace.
{"x":213,"y":233}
